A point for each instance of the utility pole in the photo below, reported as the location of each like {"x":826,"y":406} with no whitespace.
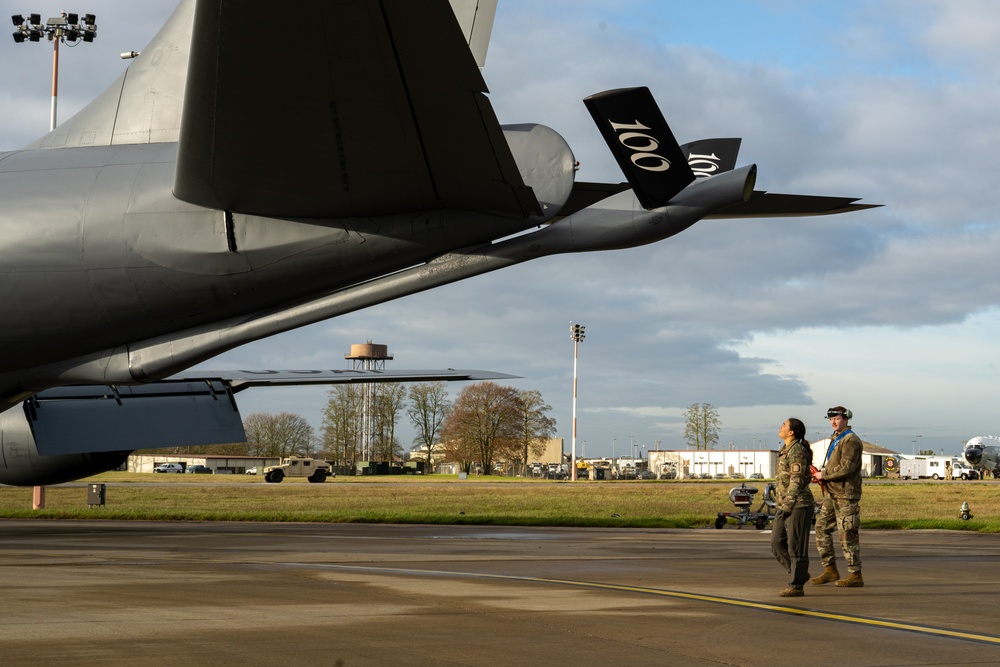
{"x":65,"y":28}
{"x":576,"y":334}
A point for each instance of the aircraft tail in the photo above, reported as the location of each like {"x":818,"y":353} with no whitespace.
{"x":476,"y":18}
{"x":642,"y":143}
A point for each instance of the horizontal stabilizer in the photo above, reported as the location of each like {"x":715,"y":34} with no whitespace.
{"x":642,"y":144}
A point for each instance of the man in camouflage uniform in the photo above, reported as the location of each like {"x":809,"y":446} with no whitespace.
{"x":840,"y":480}
{"x":793,"y":502}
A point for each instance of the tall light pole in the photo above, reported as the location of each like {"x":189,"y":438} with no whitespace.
{"x":63,"y":28}
{"x":576,"y":333}
{"x":914,"y":450}
{"x":66,"y":28}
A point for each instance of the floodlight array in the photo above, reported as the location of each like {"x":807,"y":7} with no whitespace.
{"x":67,"y":28}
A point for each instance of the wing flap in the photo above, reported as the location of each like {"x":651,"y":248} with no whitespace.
{"x":186,"y":410}
{"x":77,"y":420}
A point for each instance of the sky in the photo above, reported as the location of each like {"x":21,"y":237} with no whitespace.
{"x":892,"y":312}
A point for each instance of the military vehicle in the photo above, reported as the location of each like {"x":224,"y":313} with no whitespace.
{"x":315,"y":470}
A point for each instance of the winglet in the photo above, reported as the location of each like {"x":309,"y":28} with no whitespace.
{"x":642,"y":143}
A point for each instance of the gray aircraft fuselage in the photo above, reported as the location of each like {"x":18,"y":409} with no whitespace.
{"x":98,"y":252}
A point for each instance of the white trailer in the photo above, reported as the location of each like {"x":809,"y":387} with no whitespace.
{"x":933,"y":467}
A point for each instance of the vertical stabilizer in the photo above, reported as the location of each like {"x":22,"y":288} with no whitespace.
{"x":476,"y":19}
{"x":142,"y":106}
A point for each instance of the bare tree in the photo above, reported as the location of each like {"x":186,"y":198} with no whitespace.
{"x":429,"y":407}
{"x":341,"y":435}
{"x":483,"y":422}
{"x":701,"y":429}
{"x":280,"y":435}
{"x":534,"y":426}
{"x":387,"y":401}
{"x":292,"y":434}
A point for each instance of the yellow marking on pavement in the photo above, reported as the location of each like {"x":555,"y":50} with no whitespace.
{"x":734,"y":602}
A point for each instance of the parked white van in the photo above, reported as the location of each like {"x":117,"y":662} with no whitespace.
{"x":169,"y":467}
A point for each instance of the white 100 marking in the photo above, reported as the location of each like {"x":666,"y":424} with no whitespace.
{"x":644,"y":151}
{"x":703,"y":165}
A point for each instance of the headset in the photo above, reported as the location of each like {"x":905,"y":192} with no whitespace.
{"x":834,"y":412}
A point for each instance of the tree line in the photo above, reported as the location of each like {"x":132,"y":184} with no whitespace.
{"x":487,"y":422}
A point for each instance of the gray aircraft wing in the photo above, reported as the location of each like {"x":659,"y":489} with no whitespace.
{"x":190,"y":409}
{"x":368,"y":116}
{"x":240,"y":380}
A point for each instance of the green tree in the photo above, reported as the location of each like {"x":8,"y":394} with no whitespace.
{"x":701,"y":429}
{"x":483,"y":422}
{"x":429,"y":407}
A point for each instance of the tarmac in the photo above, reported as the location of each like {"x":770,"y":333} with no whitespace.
{"x":174,"y":593}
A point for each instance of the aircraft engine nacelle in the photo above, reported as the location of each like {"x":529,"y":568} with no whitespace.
{"x":22,"y":465}
{"x":546,"y":164}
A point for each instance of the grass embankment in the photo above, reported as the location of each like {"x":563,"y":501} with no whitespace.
{"x":442,"y":499}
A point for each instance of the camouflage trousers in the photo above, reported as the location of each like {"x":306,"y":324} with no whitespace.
{"x":790,"y":543}
{"x":843,"y":516}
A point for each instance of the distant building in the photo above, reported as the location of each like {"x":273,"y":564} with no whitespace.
{"x":873,"y":457}
{"x":553,"y":453}
{"x":743,"y":463}
{"x":220,"y":465}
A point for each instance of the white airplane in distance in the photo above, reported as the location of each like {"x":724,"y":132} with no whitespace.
{"x":983,"y":453}
{"x":227,"y":188}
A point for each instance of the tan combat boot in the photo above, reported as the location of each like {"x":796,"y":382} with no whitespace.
{"x":829,"y":574}
{"x":853,"y":581}
{"x":792,"y":592}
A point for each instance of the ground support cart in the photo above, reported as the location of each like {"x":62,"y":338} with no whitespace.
{"x":742,"y":498}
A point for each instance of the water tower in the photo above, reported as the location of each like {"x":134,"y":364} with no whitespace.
{"x":368,"y":357}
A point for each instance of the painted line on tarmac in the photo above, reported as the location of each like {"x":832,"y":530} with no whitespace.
{"x":661,"y":592}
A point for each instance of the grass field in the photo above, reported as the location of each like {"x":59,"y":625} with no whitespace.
{"x":440,"y":499}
